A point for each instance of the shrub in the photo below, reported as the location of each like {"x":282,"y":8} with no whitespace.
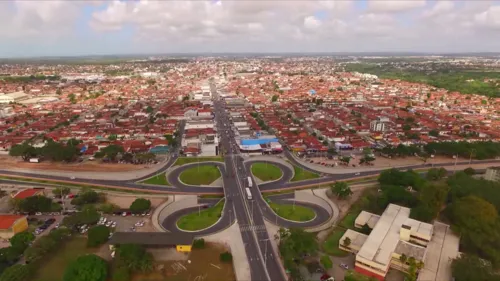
{"x":199,"y":243}
{"x":226,"y":257}
{"x":326,"y":262}
{"x":97,"y":235}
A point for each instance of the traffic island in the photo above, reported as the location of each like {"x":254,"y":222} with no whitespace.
{"x":301,"y":174}
{"x":266,"y":172}
{"x":159,"y":179}
{"x":200,"y":175}
{"x":293,"y":212}
{"x":202,"y":219}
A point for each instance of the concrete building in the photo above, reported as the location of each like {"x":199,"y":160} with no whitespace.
{"x":394,"y":234}
{"x":181,"y":242}
{"x":13,"y":97}
{"x":10,"y":225}
{"x":379,"y":124}
{"x":492,"y":174}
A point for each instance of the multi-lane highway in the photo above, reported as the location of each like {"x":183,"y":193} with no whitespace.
{"x":264,"y":265}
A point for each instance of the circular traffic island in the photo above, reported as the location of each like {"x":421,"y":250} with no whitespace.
{"x":202,"y":219}
{"x":200,"y":175}
{"x":266,"y":172}
{"x":293,"y":212}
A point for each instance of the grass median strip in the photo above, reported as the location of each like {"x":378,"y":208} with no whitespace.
{"x":201,"y":220}
{"x":201,"y":175}
{"x":301,"y":174}
{"x":187,"y":160}
{"x":159,"y":179}
{"x":58,"y":184}
{"x":266,"y":172}
{"x":293,"y":213}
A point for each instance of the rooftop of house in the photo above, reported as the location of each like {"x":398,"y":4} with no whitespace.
{"x":6,"y":221}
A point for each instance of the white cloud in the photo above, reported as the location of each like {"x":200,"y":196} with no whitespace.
{"x":38,"y":18}
{"x":489,"y":18}
{"x":311,"y":22}
{"x":391,"y":6}
{"x":439,"y":8}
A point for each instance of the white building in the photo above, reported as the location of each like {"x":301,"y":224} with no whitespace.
{"x":13,"y":97}
{"x":379,"y":125}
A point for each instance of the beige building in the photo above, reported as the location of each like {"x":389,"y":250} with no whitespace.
{"x":394,"y":234}
{"x":492,"y":174}
{"x":13,"y":97}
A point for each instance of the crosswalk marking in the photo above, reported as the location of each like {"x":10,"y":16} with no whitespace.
{"x":252,"y":228}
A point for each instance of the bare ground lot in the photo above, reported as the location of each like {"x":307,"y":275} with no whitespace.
{"x":7,"y":162}
{"x":386,"y":162}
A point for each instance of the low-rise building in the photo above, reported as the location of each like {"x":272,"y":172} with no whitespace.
{"x":492,"y":174}
{"x":396,"y":239}
{"x":10,"y":225}
{"x":23,"y":194}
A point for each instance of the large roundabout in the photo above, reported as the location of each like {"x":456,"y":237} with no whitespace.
{"x":204,"y":216}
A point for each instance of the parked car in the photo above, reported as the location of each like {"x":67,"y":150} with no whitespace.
{"x":344,"y":266}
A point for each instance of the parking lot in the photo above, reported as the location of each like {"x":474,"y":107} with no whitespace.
{"x":37,"y":222}
{"x":128,"y":223}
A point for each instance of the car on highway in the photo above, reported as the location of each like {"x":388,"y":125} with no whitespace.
{"x":357,"y":174}
{"x":72,"y":178}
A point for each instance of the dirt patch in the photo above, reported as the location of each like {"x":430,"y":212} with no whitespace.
{"x":125,"y":201}
{"x":202,"y":264}
{"x":7,"y":162}
{"x":386,"y":162}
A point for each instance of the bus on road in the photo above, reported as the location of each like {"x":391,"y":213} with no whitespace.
{"x":249,"y":194}
{"x":249,"y":182}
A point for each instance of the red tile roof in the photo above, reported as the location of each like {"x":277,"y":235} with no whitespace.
{"x":6,"y":221}
{"x":27,"y":193}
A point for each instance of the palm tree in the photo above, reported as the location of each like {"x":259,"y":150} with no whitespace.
{"x":346,"y":242}
{"x":403,"y":258}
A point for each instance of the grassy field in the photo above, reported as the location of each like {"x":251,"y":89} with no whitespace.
{"x":266,"y":172}
{"x":201,"y":220}
{"x":187,"y":160}
{"x":160,"y":179}
{"x":331,"y":244}
{"x":52,"y":269}
{"x":301,"y":174}
{"x":202,"y":175}
{"x":348,"y":220}
{"x":204,"y":265}
{"x":289,"y":212}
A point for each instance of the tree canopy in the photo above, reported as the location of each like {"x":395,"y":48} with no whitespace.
{"x":86,"y":268}
{"x":134,"y":257}
{"x":405,"y":179}
{"x":472,"y":268}
{"x":140,"y":205}
{"x":112,"y":150}
{"x":341,"y":189}
{"x":97,"y":235}
{"x":37,"y":203}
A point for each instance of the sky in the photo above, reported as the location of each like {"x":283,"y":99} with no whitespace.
{"x":112,"y":27}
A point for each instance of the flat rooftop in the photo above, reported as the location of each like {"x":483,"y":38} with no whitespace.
{"x":384,"y":237}
{"x":151,"y":238}
{"x":442,"y":249}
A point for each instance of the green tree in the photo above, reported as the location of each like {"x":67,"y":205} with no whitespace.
{"x":35,"y":204}
{"x":199,"y":243}
{"x":470,"y":171}
{"x":435,"y":174}
{"x":20,"y":241}
{"x":347,"y":242}
{"x":112,"y":137}
{"x":472,"y":268}
{"x":149,"y":109}
{"x":97,"y":235}
{"x":226,"y":257}
{"x":61,"y":191}
{"x":17,"y":272}
{"x":406,"y":127}
{"x":23,"y":150}
{"x":140,"y":205}
{"x":111,"y":151}
{"x":108,"y":208}
{"x":341,"y":189}
{"x":86,"y":268}
{"x":73,"y":142}
{"x":295,"y":242}
{"x":274,"y":98}
{"x":134,"y":257}
{"x":434,"y":133}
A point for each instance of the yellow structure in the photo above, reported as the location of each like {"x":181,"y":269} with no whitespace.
{"x":183,"y":248}
{"x":11,"y":225}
